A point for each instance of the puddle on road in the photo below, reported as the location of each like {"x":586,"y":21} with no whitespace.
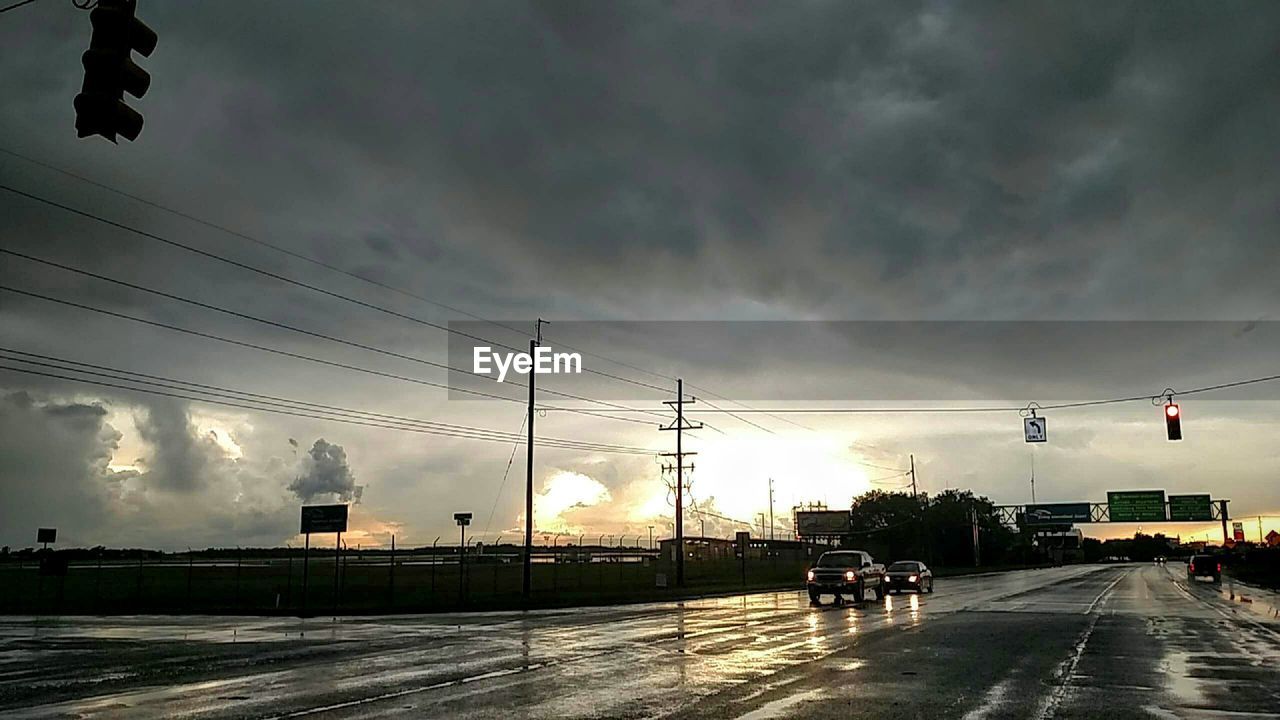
{"x":777,"y":708}
{"x":1177,"y":671}
{"x":1258,"y":601}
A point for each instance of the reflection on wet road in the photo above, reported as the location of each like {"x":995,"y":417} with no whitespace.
{"x":1084,"y":641}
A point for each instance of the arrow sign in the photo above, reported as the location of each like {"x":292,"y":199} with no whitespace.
{"x":1035,"y":429}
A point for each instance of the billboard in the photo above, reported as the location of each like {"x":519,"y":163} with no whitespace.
{"x":1190,"y":507}
{"x":46,"y":535}
{"x":324,"y":518}
{"x":1057,"y":513}
{"x":1136,"y":505}
{"x":810,"y":523}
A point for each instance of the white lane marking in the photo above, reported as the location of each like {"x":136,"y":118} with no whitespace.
{"x":996,"y":697}
{"x":1068,"y":668}
{"x":1065,"y":672}
{"x":1104,"y":592}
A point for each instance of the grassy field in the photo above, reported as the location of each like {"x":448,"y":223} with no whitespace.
{"x":370,"y":585}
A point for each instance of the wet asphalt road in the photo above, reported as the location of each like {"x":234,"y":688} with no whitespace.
{"x":1074,"y":642}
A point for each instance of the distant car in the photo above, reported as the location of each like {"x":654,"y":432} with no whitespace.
{"x":1204,"y":566}
{"x":909,"y":575}
{"x":846,"y":572}
{"x":1159,"y":560}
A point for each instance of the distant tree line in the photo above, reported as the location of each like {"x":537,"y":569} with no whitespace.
{"x":937,"y":529}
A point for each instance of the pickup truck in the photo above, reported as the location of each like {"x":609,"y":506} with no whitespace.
{"x":1204,"y":566}
{"x":846,"y":572}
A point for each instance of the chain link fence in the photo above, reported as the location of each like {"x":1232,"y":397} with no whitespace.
{"x":355,"y":582}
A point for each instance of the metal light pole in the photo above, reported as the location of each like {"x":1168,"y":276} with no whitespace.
{"x":463,"y":519}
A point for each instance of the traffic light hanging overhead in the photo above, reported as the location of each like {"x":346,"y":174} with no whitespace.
{"x":1173,"y":420}
{"x":109,"y":71}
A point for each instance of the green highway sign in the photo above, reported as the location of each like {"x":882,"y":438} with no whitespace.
{"x":1136,"y":506}
{"x":1190,"y":507}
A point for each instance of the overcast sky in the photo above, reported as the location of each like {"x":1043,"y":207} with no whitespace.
{"x":635,"y":161}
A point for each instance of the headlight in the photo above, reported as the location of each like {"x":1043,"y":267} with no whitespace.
{"x":912,"y":578}
{"x":849,"y":576}
{"x":810,"y":576}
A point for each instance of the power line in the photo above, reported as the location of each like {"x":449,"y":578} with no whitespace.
{"x":356,"y":276}
{"x":16,"y":5}
{"x":291,"y":281}
{"x":270,"y":400}
{"x":276,"y":401}
{"x":984,"y":409}
{"x":775,"y":413}
{"x":292,"y":328}
{"x":747,"y":407}
{"x":371,"y":281}
{"x":505,"y":473}
{"x":316,"y":415}
{"x":889,"y":477}
{"x":329,"y":266}
{"x":286,"y":353}
{"x":899,"y":471}
{"x":739,"y":418}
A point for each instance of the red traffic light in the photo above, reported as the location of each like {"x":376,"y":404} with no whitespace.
{"x":1173,"y":421}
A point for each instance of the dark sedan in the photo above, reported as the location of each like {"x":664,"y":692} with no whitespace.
{"x":909,"y":575}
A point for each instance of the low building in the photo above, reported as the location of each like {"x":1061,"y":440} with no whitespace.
{"x":708,"y":548}
{"x":699,"y":548}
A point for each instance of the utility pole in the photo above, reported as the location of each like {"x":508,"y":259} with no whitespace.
{"x":913,"y":476}
{"x":527,"y":580}
{"x":925,"y":547}
{"x":1033,"y":476}
{"x":679,"y":426}
{"x":977,"y":543}
{"x":770,"y":508}
{"x":650,"y":537}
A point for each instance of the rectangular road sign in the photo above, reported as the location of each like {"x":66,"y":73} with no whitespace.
{"x":324,"y":518}
{"x":1057,"y":513}
{"x":1190,"y":507}
{"x":46,"y":535}
{"x":462,"y":518}
{"x":1136,"y":505}
{"x":1035,"y":429}
{"x":811,"y":523}
{"x":1237,"y":531}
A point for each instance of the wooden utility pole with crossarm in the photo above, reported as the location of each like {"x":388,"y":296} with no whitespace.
{"x":679,"y":426}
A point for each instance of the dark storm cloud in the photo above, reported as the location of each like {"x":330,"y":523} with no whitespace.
{"x":53,"y":466}
{"x":899,"y":159}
